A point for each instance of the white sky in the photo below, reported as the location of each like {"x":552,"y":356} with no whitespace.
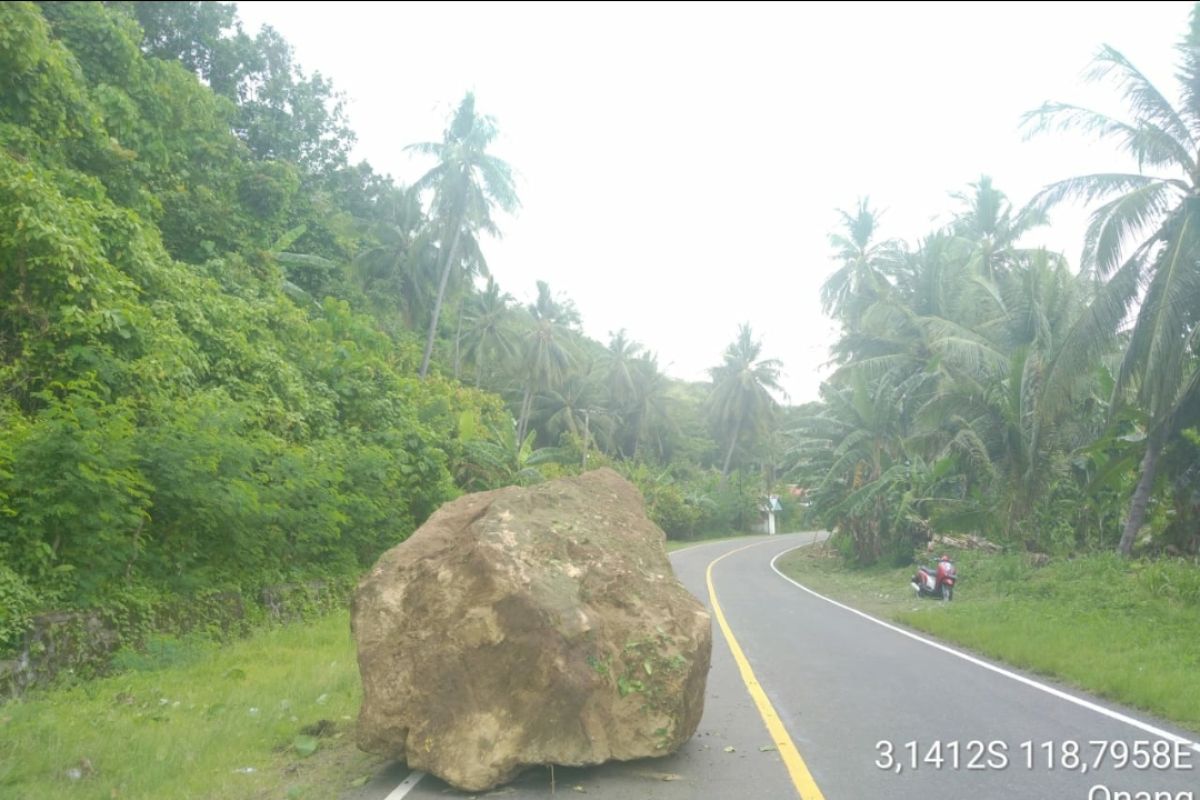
{"x":680,"y":165}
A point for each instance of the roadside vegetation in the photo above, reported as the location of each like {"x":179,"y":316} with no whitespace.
{"x":231,"y":360}
{"x":988,"y":386}
{"x":268,"y":716}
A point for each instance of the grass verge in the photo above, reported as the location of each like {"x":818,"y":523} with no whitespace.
{"x":1125,"y":630}
{"x":268,"y":716}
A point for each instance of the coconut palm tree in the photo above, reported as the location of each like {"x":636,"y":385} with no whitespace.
{"x":489,"y":331}
{"x":561,"y":408}
{"x":1143,"y":243}
{"x":620,"y":369}
{"x":989,"y":228}
{"x":741,"y":400}
{"x":648,"y":414}
{"x":399,"y":272}
{"x":849,"y":453}
{"x":468,"y":183}
{"x":862,"y":277}
{"x":546,"y":353}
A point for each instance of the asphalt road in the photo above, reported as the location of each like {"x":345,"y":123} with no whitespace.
{"x":851,"y":693}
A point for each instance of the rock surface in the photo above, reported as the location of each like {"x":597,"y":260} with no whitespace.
{"x":528,"y":626}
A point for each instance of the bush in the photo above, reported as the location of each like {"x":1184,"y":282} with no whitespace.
{"x":17,"y":605}
{"x":695,"y":503}
{"x":162,"y":651}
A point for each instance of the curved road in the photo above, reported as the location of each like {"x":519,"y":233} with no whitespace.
{"x":841,"y":684}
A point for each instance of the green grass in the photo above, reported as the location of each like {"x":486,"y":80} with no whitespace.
{"x":1127,"y":631}
{"x":190,"y":720}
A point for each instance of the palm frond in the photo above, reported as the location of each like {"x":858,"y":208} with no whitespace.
{"x":499,"y":183}
{"x":963,"y":347}
{"x":1147,"y":142}
{"x":306,"y":260}
{"x":1143,"y":98}
{"x":1186,"y":411}
{"x":1092,"y":333}
{"x":1113,"y":224}
{"x":1089,"y":188}
{"x":875,"y":367}
{"x":1157,"y":349}
{"x":991,"y":290}
{"x":1189,"y":71}
{"x":426,"y":148}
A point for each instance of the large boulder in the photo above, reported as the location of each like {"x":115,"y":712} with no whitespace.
{"x":529,"y":626}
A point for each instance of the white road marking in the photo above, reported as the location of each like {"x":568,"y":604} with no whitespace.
{"x":406,"y":786}
{"x":1099,"y":709}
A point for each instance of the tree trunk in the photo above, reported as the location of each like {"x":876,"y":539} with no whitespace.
{"x":437,"y":304}
{"x":1141,"y":495}
{"x":458,"y":341}
{"x":737,"y":429}
{"x":587,"y":429}
{"x":524,"y":418}
{"x":137,"y":546}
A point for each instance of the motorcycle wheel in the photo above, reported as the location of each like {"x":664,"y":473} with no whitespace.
{"x":947,"y":593}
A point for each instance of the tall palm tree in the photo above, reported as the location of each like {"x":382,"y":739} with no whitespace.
{"x":468,"y":183}
{"x":620,"y":369}
{"x":563,"y":407}
{"x":648,"y":415}
{"x":546,"y":353}
{"x":489,"y":330}
{"x":862,"y":277}
{"x":1143,"y":242}
{"x":399,"y":271}
{"x":990,"y":229}
{"x":741,"y":399}
{"x":847,"y":454}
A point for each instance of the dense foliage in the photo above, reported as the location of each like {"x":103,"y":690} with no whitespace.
{"x":984,"y":386}
{"x":173,"y":417}
{"x":211,"y":327}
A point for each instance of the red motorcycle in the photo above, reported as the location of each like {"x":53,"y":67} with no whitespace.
{"x":936,"y":582}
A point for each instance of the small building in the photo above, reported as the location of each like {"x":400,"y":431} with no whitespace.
{"x":769,"y":510}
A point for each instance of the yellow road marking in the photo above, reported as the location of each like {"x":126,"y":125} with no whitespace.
{"x":806,"y":787}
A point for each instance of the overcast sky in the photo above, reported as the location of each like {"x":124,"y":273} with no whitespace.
{"x":680,"y":165}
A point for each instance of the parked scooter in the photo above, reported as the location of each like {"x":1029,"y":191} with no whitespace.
{"x":937,"y":582}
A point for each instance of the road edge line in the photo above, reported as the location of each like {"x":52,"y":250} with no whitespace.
{"x":405,"y":786}
{"x":802,"y":779}
{"x":1050,"y":690}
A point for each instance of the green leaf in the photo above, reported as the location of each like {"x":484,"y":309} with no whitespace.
{"x":305,"y":746}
